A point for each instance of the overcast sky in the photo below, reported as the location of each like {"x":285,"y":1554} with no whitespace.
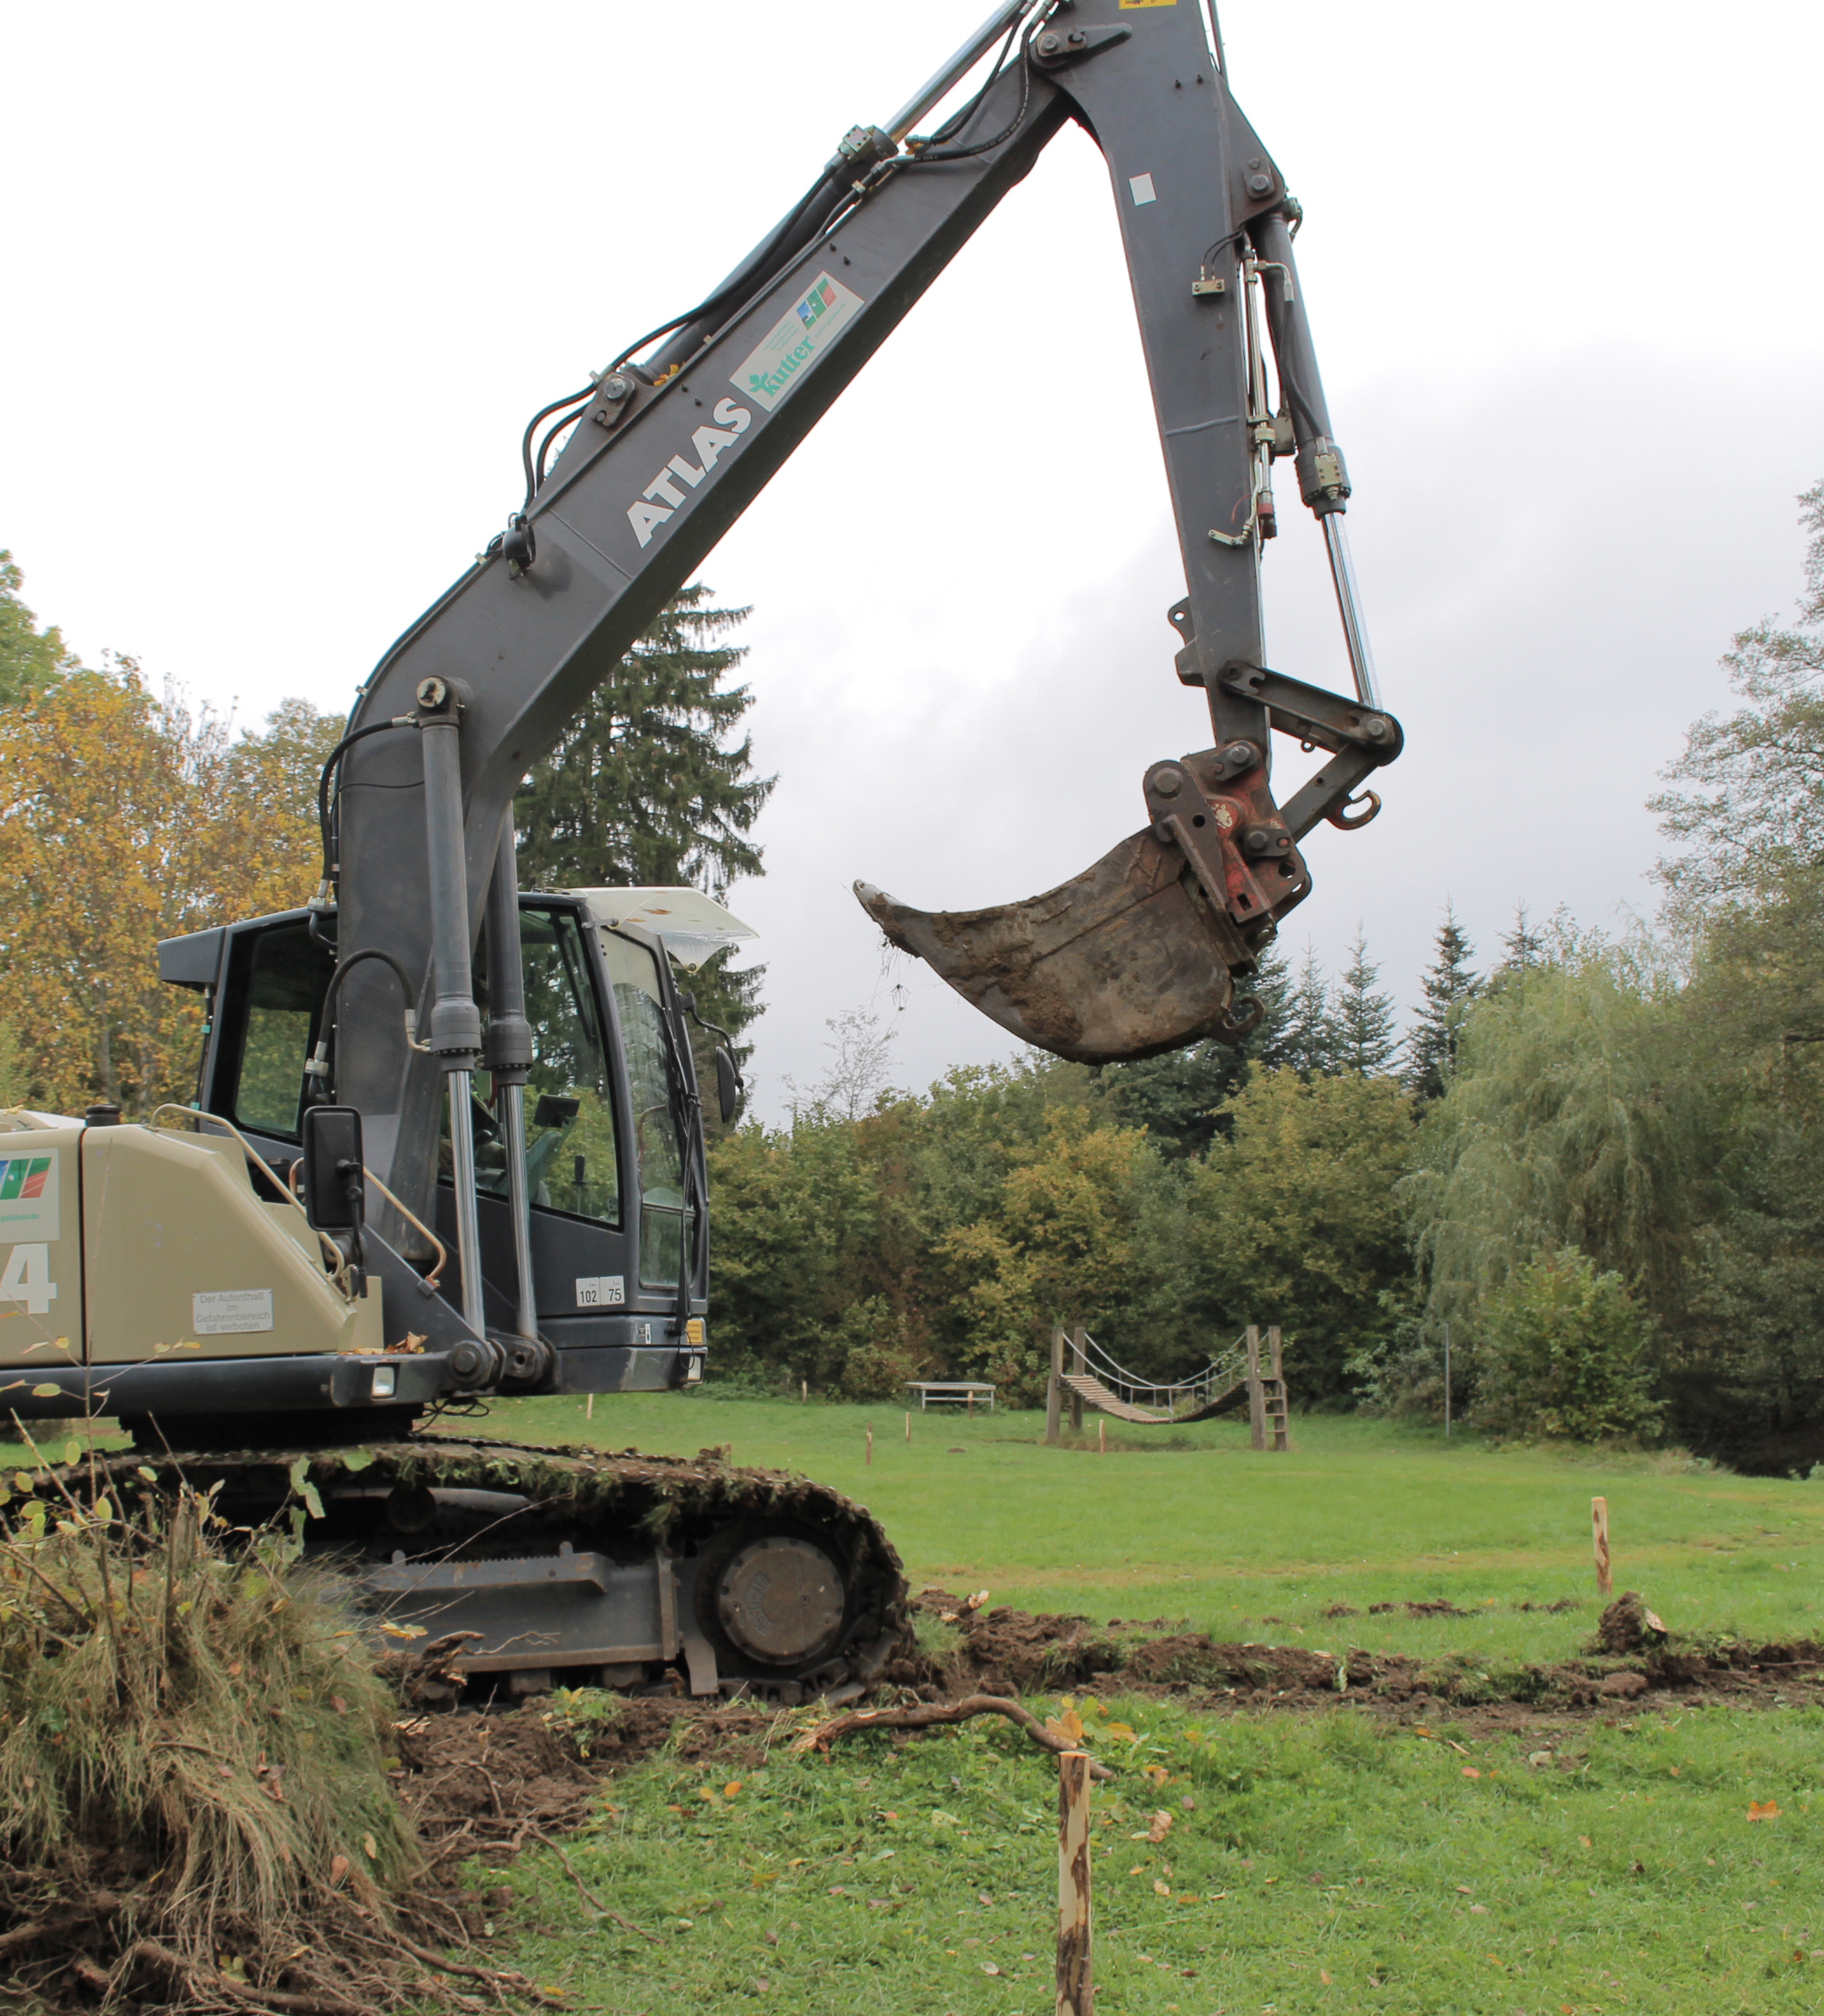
{"x":284,"y":284}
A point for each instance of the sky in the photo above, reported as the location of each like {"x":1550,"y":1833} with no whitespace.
{"x":285,"y":282}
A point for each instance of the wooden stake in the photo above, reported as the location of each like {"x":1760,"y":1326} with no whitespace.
{"x":1599,"y":1529}
{"x":1076,"y":1990}
{"x":588,"y":1410}
{"x":1054,"y":1389}
{"x":1101,"y":1438}
{"x":869,"y":1458}
{"x":804,"y":1388}
{"x":908,"y":1430}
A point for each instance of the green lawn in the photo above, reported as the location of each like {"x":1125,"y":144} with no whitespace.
{"x":1314,"y":1864}
{"x":1248,"y":1545}
{"x":1331,"y":1861}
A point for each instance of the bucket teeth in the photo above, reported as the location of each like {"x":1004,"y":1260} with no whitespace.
{"x":1118,"y":963}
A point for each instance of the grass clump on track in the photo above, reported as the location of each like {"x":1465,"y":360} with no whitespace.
{"x":195,"y":1810}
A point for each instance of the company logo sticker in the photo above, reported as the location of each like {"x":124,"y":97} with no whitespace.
{"x":28,"y":1197}
{"x":792,"y":344}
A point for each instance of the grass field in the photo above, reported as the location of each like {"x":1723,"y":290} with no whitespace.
{"x":1315,"y":1862}
{"x":1325,"y":1862}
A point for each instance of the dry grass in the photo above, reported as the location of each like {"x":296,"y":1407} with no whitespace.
{"x":194,"y":1806}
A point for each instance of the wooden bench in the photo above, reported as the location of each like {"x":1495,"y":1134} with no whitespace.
{"x":951,"y":1393}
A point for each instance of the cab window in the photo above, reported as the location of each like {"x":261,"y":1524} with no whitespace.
{"x":572,"y":1159}
{"x":284,"y":975}
{"x":639,"y":1003}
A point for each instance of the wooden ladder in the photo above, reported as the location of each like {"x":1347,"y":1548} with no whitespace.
{"x":1268,"y":1408}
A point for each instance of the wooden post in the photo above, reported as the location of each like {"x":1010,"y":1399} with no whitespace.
{"x":1054,"y":1391}
{"x":908,"y":1428}
{"x":1281,"y":1420}
{"x":804,"y":1388}
{"x":1076,"y":1990}
{"x":1079,"y":1337}
{"x":588,"y":1412}
{"x":869,"y":1458}
{"x":1599,"y":1531}
{"x":971,"y":1402}
{"x":1101,"y":1438}
{"x":1256,"y":1398}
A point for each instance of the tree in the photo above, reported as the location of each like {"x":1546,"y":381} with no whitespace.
{"x":1309,"y":1043}
{"x":1295,"y":1219}
{"x":1522,"y":947}
{"x":125,"y":819}
{"x":31,"y":659}
{"x":1562,"y":1352}
{"x":1363,"y":1016}
{"x":859,"y":1073}
{"x":1753,"y":806}
{"x":645,"y":788}
{"x":1574,"y":1118}
{"x":1449,"y":987}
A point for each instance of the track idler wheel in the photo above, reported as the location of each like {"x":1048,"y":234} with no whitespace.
{"x":774,"y":1599}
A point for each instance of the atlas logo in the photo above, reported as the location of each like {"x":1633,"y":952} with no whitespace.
{"x":662,"y":495}
{"x":22,"y":1176}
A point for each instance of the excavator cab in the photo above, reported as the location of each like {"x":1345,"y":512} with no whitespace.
{"x":613,"y":1141}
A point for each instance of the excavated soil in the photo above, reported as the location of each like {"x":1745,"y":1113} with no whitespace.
{"x":1631,"y":1661}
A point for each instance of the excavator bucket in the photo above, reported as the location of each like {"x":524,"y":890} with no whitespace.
{"x":1119,"y":962}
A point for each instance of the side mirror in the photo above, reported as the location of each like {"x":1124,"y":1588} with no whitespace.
{"x":553,"y":1110}
{"x":334,"y":1189}
{"x":728,"y":1087}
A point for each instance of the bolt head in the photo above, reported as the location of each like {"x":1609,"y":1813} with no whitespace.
{"x":1049,"y":45}
{"x":1259,"y":183}
{"x":1169,"y":781}
{"x":1376,"y":729}
{"x":432,"y":692}
{"x":1241,"y":756}
{"x":616,"y":386}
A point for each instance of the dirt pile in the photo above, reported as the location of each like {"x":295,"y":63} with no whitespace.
{"x":1008,"y":1651}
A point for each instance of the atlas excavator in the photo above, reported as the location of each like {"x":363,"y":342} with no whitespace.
{"x":447,"y":1141}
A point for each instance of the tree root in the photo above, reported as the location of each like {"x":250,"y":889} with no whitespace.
{"x":589,"y":1896}
{"x":495,"y":1978}
{"x":945,"y":1712}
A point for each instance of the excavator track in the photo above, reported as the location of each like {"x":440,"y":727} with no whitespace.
{"x":574,"y":1566}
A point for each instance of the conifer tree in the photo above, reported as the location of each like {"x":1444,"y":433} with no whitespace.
{"x":1449,"y":986}
{"x":1363,"y":1016}
{"x":644,"y":789}
{"x":1309,"y":1045}
{"x":1522,"y":947}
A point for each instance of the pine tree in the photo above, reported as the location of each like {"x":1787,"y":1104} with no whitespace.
{"x":1309,"y":1046}
{"x":644,"y":790}
{"x":1366,"y":1043}
{"x":1522,"y":947}
{"x":1449,"y":987}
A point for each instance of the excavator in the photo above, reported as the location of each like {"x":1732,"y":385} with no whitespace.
{"x":447,"y":1143}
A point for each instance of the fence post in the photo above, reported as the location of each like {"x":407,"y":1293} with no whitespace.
{"x":1079,"y":1337}
{"x":1256,"y":1397}
{"x":1054,"y":1391}
{"x":1076,"y":1988}
{"x":1599,"y":1534}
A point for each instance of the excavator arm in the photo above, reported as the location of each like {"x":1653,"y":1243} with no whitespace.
{"x":664,"y":450}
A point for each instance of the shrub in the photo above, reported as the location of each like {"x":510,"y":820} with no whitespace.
{"x":1562,"y":1352}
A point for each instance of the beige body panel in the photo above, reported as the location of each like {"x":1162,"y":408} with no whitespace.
{"x":40,"y":1240}
{"x":182,"y":1256}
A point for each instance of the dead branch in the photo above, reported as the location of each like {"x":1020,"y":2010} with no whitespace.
{"x":589,"y":1896}
{"x":493,"y":1978}
{"x":947,"y":1711}
{"x":219,"y":1984}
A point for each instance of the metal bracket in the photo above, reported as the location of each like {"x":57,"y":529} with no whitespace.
{"x":1316,"y":716}
{"x":1232,"y":837}
{"x":1058,"y":46}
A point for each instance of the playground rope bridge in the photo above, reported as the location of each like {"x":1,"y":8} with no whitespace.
{"x":1081,"y":1369}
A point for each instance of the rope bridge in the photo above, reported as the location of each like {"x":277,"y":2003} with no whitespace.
{"x":1081,"y":1368}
